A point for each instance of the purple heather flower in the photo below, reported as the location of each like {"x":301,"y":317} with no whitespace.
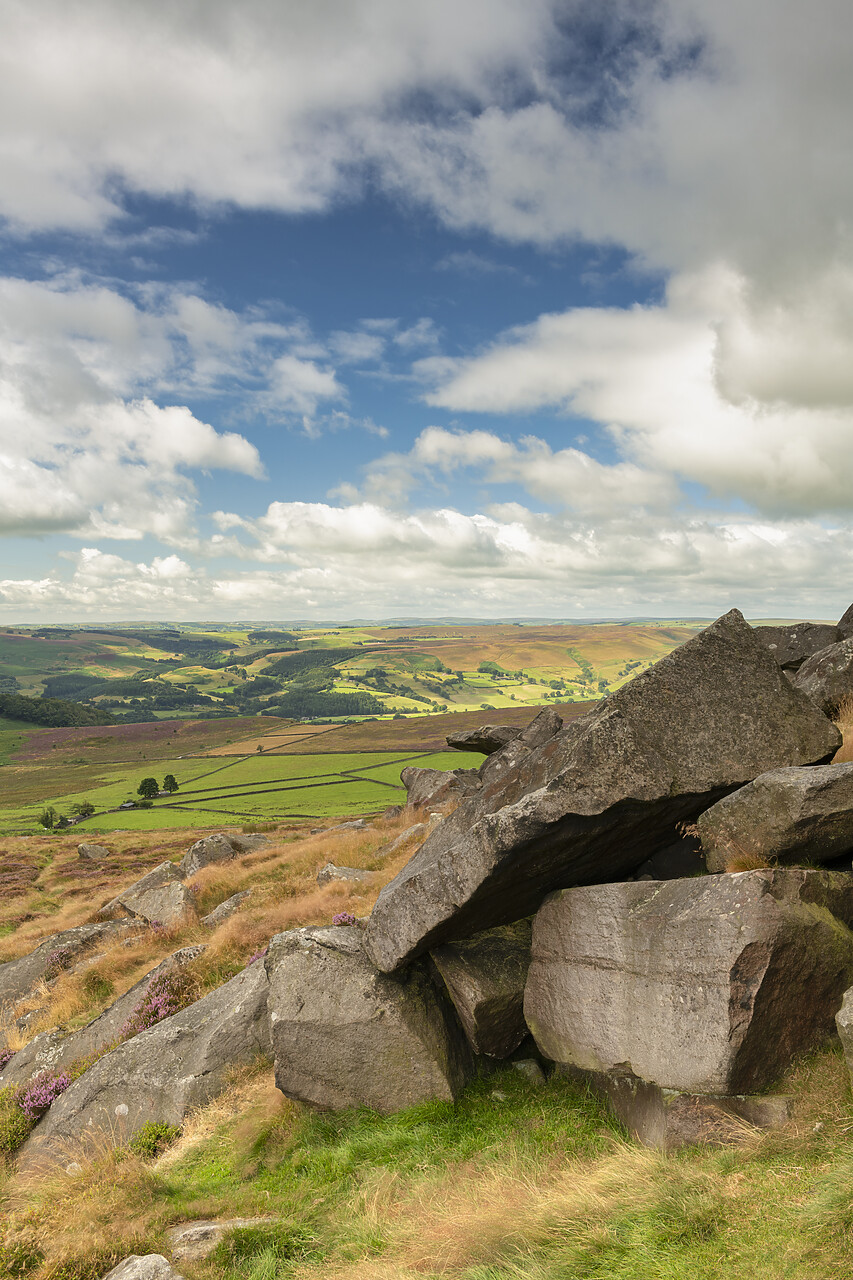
{"x":41,"y":1091}
{"x":344,"y":917}
{"x":259,"y":955}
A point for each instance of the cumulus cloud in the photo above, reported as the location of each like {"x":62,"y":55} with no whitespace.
{"x":697,"y":388}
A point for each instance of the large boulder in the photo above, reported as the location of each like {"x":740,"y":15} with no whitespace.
{"x":487,"y":739}
{"x":57,"y":1050}
{"x":709,"y":985}
{"x":542,"y":728}
{"x":216,"y":848}
{"x":344,"y":1035}
{"x":161,"y":1074}
{"x":845,"y":624}
{"x":19,"y":978}
{"x":428,"y":788}
{"x":786,"y":815}
{"x":160,"y":897}
{"x":844,"y":1026}
{"x":485,"y":977}
{"x":92,"y":852}
{"x":827,"y":677}
{"x":791,"y":645}
{"x":598,"y":798}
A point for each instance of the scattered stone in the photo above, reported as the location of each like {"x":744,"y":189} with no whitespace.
{"x":427,"y":787}
{"x":19,"y":978}
{"x":226,"y":909}
{"x":215,"y":848}
{"x":530,"y":1069}
{"x":193,"y":1241}
{"x":55,"y":1050}
{"x":786,"y":815}
{"x":249,"y":843}
{"x":351,"y":874}
{"x":827,"y":677}
{"x":95,"y":852}
{"x":393,"y":811}
{"x":791,"y":646}
{"x":485,"y":977}
{"x":344,"y":1035}
{"x":419,"y":831}
{"x":597,"y":799}
{"x":161,"y":1074}
{"x":143,"y":1266}
{"x":709,"y":985}
{"x":487,"y":739}
{"x":668,"y":1119}
{"x":357,"y":824}
{"x":159,"y":897}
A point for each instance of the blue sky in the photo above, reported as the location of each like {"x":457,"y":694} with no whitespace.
{"x":493,"y":308}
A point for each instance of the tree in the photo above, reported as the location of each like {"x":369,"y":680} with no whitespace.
{"x":84,"y":809}
{"x":169,"y":784}
{"x":48,"y":817}
{"x":148,"y":788}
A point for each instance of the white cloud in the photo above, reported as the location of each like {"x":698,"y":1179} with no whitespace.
{"x":677,"y":387}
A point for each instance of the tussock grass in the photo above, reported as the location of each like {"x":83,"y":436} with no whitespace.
{"x":844,"y":721}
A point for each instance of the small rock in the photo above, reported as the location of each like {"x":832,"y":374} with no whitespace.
{"x":95,"y":852}
{"x":145,"y":1266}
{"x":487,"y":739}
{"x":225,"y":909}
{"x":215,"y":848}
{"x":418,"y":832}
{"x":530,"y":1069}
{"x":351,"y":874}
{"x":437,"y":786}
{"x":358,"y":824}
{"x":193,"y":1241}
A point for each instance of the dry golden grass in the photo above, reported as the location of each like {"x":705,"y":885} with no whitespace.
{"x":844,"y":720}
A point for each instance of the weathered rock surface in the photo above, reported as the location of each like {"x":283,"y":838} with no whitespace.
{"x":352,"y":875}
{"x":55,"y":1050}
{"x":215,"y":848}
{"x":94,"y":852}
{"x":791,"y":645}
{"x":786,"y":815}
{"x":160,"y":1074}
{"x":845,"y":624}
{"x":143,"y":1266}
{"x":159,"y":897}
{"x":357,"y":824}
{"x":430,"y":787}
{"x":487,"y":739}
{"x":709,"y":985}
{"x":844,"y":1026}
{"x":419,"y":831}
{"x":18,"y":978}
{"x":192,"y":1241}
{"x":485,"y":977}
{"x":249,"y":842}
{"x":226,"y":909}
{"x":827,"y":677}
{"x":601,"y":796}
{"x":542,"y":728}
{"x":668,"y":1119}
{"x":344,"y":1035}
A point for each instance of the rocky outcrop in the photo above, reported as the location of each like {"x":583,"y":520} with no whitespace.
{"x":598,"y":798}
{"x":94,"y":852}
{"x":226,"y":909}
{"x":160,"y":897}
{"x":487,"y":739}
{"x":19,"y":978}
{"x":709,"y":985}
{"x":344,"y":1035}
{"x":349,"y":875}
{"x":542,"y":728}
{"x":143,"y":1266}
{"x":485,"y":977}
{"x":845,"y":624}
{"x":786,"y":815}
{"x":57,"y":1050}
{"x":792,"y":645}
{"x":419,"y":831}
{"x":161,"y":1074}
{"x":220,"y":847}
{"x":192,"y":1241}
{"x":429,"y":788}
{"x":357,"y":824}
{"x":827,"y":677}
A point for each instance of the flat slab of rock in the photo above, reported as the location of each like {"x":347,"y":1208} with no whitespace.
{"x":791,"y":645}
{"x":226,"y":909}
{"x":357,"y":824}
{"x":827,"y":677}
{"x":430,"y":787}
{"x":598,"y":798}
{"x":668,"y":1119}
{"x":419,"y":831}
{"x":346,"y":1036}
{"x":143,"y":1266}
{"x":708,"y":985}
{"x":487,"y":739}
{"x":161,"y":1074}
{"x":222,"y":846}
{"x":160,"y":897}
{"x":195,"y":1240}
{"x":786,"y":815}
{"x":485,"y":977}
{"x":19,"y":978}
{"x":94,"y":852}
{"x":55,"y":1051}
{"x":350,"y":875}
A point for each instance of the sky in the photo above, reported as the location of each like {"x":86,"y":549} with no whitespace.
{"x":360,"y":309}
